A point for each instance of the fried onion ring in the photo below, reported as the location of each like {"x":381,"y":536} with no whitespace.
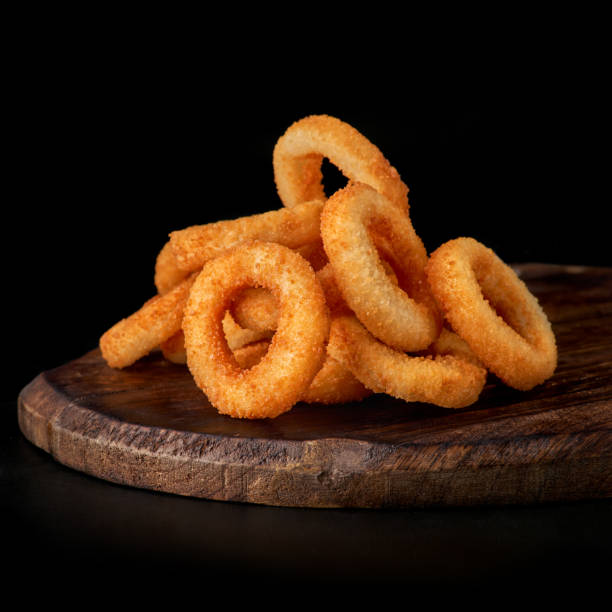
{"x":403,"y":315}
{"x":250,"y":355}
{"x":299,"y":152}
{"x":291,"y":227}
{"x":297,"y":349}
{"x":449,"y":343}
{"x":257,"y":308}
{"x":246,"y":356}
{"x":335,"y":384}
{"x":167,"y":273}
{"x":446,"y":380}
{"x":492,"y":309}
{"x":314,"y":254}
{"x":137,"y":335}
{"x":173,"y":348}
{"x":238,"y":336}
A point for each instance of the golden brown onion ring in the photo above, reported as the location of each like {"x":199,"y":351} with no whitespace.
{"x":448,"y":380}
{"x":335,"y":384}
{"x":246,"y":356}
{"x":295,"y":227}
{"x":314,"y":254}
{"x":238,"y":336}
{"x":492,"y":309}
{"x":137,"y":335}
{"x":173,"y":348}
{"x":250,"y":355}
{"x":299,"y":153}
{"x":167,"y":273}
{"x":297,"y":349}
{"x":403,"y":315}
{"x":257,"y":309}
{"x":449,"y":343}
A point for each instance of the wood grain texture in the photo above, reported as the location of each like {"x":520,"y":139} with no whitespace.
{"x":149,"y":426}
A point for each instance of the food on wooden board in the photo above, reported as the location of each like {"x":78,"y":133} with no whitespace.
{"x":331,"y":299}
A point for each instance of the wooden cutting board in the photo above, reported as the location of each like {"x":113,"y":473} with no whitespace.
{"x":149,"y":426}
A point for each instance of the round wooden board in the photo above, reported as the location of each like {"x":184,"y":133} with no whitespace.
{"x":149,"y":426}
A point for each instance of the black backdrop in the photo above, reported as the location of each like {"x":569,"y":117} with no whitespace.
{"x":113,"y":154}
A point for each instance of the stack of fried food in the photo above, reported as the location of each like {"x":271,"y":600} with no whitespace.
{"x":330,"y":299}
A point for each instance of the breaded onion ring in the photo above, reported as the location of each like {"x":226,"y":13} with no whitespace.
{"x":333,"y":297}
{"x":403,"y":315}
{"x":257,"y":309}
{"x":299,"y":152}
{"x":137,"y":335}
{"x":167,"y":273}
{"x":448,"y":380}
{"x":238,"y":336}
{"x":250,"y":355}
{"x":246,"y":356}
{"x":335,"y":384}
{"x":314,"y":254}
{"x":294,"y":227}
{"x":297,"y":349}
{"x":449,"y":343}
{"x":173,"y":348}
{"x":492,"y":309}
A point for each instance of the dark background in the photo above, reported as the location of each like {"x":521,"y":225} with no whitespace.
{"x":115,"y":147}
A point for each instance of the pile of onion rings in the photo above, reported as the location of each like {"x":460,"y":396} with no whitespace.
{"x":329,"y":299}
